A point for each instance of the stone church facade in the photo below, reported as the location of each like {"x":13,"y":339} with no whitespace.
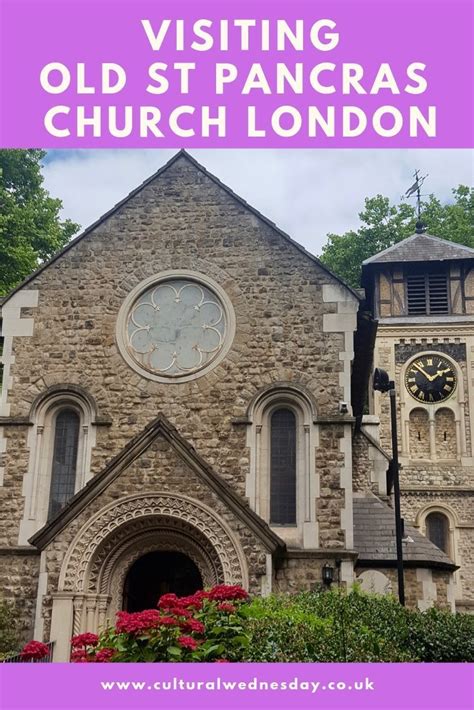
{"x":182,"y":405}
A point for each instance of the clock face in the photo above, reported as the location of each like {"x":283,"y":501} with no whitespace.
{"x":430,"y":379}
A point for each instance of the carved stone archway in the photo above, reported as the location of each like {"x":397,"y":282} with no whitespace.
{"x":94,"y":569}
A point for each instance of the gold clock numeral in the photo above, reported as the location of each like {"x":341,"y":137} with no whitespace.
{"x":429,"y":361}
{"x":413,"y":389}
{"x":411,"y":379}
{"x":430,"y":397}
{"x":420,"y":363}
{"x":450,"y":379}
{"x":448,"y":388}
{"x":421,"y":395}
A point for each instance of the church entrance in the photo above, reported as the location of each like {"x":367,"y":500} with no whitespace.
{"x":158,"y":573}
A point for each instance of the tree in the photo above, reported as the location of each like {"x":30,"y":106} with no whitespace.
{"x":385,"y":224}
{"x":30,"y":228}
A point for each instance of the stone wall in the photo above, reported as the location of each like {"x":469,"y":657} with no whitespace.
{"x":457,"y":506}
{"x":424,"y":588}
{"x":302,"y":570}
{"x":19,"y":574}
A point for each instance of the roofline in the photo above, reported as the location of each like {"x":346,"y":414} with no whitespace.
{"x":392,"y":562}
{"x":181,"y":153}
{"x":372,"y":260}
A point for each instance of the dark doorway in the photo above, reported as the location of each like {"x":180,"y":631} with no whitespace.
{"x":158,"y":573}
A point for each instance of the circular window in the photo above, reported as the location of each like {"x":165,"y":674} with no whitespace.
{"x":175,"y":326}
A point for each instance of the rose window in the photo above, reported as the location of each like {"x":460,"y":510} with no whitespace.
{"x":176,"y":327}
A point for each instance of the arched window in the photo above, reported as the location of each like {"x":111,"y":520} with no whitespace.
{"x":445,"y":429}
{"x":60,"y":440}
{"x":282,"y":483}
{"x":283,"y":468}
{"x":437,"y":530}
{"x":64,"y":461}
{"x":419,"y":434}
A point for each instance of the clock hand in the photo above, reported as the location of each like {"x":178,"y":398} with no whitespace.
{"x":440,"y":373}
{"x":430,"y":378}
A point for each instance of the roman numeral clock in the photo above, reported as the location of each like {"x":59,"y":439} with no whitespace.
{"x":430,"y":379}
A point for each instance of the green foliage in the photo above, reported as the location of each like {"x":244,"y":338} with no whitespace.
{"x":324,"y":627}
{"x":8,"y":629}
{"x":30,"y":228}
{"x":437,"y":636}
{"x":385,"y":224}
{"x":334,"y":626}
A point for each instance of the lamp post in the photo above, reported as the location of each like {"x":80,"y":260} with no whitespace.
{"x":383,"y":383}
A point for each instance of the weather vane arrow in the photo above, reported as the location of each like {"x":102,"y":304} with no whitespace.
{"x":416,"y":189}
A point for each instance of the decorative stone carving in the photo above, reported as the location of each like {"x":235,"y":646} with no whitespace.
{"x":119,"y":529}
{"x":119,"y":563}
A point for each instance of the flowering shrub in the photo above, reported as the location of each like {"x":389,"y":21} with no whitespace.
{"x":34,"y":651}
{"x":205,"y":626}
{"x":222,"y":625}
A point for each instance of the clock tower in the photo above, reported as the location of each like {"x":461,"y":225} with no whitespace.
{"x":421,"y":291}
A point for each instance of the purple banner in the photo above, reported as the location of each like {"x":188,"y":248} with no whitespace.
{"x":327,"y":74}
{"x":208,"y":686}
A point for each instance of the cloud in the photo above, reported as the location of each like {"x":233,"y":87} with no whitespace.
{"x":308,"y":193}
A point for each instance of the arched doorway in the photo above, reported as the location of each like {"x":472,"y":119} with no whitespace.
{"x":96,"y":565}
{"x":157,"y":573}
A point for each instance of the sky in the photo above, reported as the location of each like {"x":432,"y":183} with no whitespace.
{"x":307,"y":193}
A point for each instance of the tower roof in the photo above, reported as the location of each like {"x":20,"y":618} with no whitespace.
{"x":421,"y":247}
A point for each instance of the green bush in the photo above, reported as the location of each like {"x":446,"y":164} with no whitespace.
{"x":438,"y":636}
{"x":335,"y":626}
{"x":8,"y":629}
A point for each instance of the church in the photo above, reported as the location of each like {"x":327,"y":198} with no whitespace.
{"x":186,"y":401}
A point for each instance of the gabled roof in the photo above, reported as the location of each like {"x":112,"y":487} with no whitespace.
{"x":374,"y":539}
{"x":421,"y":247}
{"x":182,"y":154}
{"x":159,"y":427}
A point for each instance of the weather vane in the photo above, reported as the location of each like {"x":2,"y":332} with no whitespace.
{"x":416,"y":189}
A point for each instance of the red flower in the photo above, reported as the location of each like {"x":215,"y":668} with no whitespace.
{"x":34,"y":650}
{"x":167,"y":601}
{"x":168,"y":621}
{"x":84,"y":640}
{"x":105,"y":655}
{"x":226,"y":606}
{"x":193,"y":625}
{"x":79,"y":655}
{"x":178,"y":611}
{"x":223,"y":592}
{"x":221,"y":660}
{"x":193,"y":601}
{"x":137,"y":621}
{"x":187,"y":642}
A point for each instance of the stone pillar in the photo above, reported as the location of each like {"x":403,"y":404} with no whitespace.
{"x":91,"y":606}
{"x":463,"y":449}
{"x":433,"y":455}
{"x":102,"y":604}
{"x":78,"y":611}
{"x":258,"y":471}
{"x":62,"y":626}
